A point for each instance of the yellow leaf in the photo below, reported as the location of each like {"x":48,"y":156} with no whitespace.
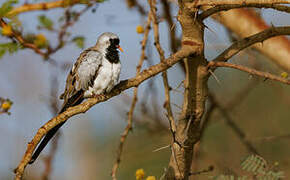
{"x":6,"y":105}
{"x":140,"y":29}
{"x":284,"y":75}
{"x":40,"y":40}
{"x":151,"y":178}
{"x":7,"y":30}
{"x":140,"y":174}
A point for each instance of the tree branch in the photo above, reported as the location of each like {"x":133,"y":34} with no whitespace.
{"x":21,"y":40}
{"x":231,"y":123}
{"x":250,"y":71}
{"x":198,"y":3}
{"x":85,"y":106}
{"x":248,"y":41}
{"x":46,"y":6}
{"x":227,"y":7}
{"x":167,"y":103}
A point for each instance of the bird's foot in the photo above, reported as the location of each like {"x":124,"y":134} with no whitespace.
{"x":97,"y":95}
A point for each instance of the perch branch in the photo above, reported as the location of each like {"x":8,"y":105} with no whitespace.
{"x":85,"y":106}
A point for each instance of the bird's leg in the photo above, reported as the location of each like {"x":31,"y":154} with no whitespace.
{"x":97,"y":95}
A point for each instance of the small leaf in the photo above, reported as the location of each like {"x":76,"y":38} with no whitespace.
{"x":2,"y":52}
{"x":79,"y":41}
{"x":140,"y":29}
{"x":284,"y":75}
{"x":7,"y":30}
{"x":40,"y":41}
{"x":255,"y":164}
{"x":6,"y":7}
{"x":8,"y":47}
{"x":45,"y":22}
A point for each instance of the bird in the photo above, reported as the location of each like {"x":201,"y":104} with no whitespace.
{"x":95,"y":72}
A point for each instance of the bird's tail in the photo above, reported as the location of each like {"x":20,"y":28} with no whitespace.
{"x":73,"y":101}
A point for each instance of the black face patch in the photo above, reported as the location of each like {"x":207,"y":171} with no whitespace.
{"x":112,"y":53}
{"x":115,"y":41}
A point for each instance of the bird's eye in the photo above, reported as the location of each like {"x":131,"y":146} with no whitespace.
{"x":117,"y":41}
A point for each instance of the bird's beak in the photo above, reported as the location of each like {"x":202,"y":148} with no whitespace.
{"x":119,"y":47}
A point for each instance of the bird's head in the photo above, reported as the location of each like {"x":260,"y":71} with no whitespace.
{"x":108,"y":42}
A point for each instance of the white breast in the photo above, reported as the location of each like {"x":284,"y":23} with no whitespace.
{"x":107,"y":77}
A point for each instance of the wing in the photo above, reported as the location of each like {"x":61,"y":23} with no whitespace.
{"x":82,"y":75}
{"x":80,"y":78}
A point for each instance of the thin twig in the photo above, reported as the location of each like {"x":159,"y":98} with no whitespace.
{"x":61,"y":42}
{"x":63,"y":29}
{"x":171,"y":25}
{"x":209,"y":169}
{"x":53,"y":105}
{"x":161,"y":148}
{"x":18,"y":36}
{"x":236,"y":129}
{"x":45,"y":6}
{"x":134,"y":101}
{"x":167,"y":103}
{"x":250,"y":71}
{"x":226,"y":7}
{"x":271,"y":138}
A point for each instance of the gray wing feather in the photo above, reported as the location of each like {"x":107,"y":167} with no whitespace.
{"x":87,"y":70}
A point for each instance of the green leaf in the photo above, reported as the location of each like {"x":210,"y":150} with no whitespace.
{"x":2,"y":52}
{"x":79,"y":41}
{"x":8,"y":47}
{"x":6,"y":7}
{"x":255,"y":164}
{"x":45,"y":22}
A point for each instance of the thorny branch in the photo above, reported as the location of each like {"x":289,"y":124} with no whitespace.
{"x":167,"y":103}
{"x":226,"y":7}
{"x":248,"y":41}
{"x":195,"y":4}
{"x":171,"y":26}
{"x":250,"y":71}
{"x":134,"y":100}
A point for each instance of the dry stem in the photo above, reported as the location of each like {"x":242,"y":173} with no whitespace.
{"x":167,"y":103}
{"x":250,"y":71}
{"x":134,"y":100}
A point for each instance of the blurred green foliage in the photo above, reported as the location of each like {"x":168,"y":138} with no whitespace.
{"x":45,"y":22}
{"x":10,"y":47}
{"x":6,"y":7}
{"x":79,"y":41}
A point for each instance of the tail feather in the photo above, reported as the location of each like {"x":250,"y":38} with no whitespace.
{"x":73,"y":101}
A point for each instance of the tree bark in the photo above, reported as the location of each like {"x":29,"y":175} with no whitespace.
{"x":195,"y":93}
